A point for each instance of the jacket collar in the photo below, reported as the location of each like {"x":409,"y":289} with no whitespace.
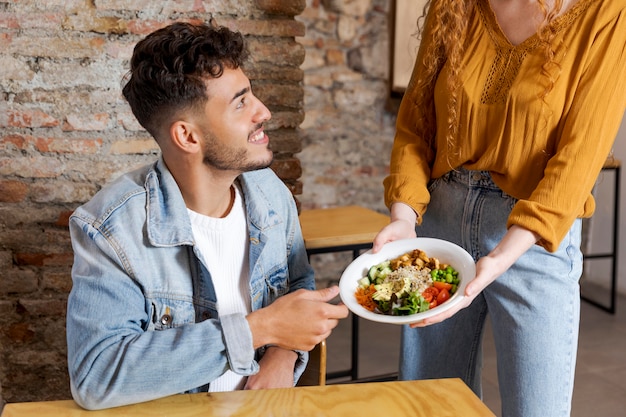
{"x":168,"y":221}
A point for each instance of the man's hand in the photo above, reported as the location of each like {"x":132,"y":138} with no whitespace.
{"x":298,"y":320}
{"x":277,"y":366}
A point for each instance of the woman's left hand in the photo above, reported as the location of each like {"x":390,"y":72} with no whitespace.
{"x":514,"y":244}
{"x":487,"y":271}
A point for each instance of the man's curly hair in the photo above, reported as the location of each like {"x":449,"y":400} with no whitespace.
{"x":169,"y":68}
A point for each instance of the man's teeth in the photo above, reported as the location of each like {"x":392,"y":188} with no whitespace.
{"x":259,"y":136}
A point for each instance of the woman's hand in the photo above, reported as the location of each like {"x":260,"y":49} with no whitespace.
{"x":514,"y":244}
{"x":487,"y":270}
{"x":402,"y":226}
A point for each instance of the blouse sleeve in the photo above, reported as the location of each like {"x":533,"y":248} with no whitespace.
{"x":412,"y":154}
{"x":586,"y":136}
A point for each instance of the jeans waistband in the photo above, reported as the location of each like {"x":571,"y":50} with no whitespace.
{"x":472,"y":178}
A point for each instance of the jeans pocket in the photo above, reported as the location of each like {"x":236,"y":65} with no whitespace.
{"x":433,"y":184}
{"x":512,"y":201}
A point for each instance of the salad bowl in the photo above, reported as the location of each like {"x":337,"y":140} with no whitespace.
{"x":447,"y":253}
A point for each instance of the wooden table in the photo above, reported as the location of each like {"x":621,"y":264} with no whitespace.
{"x":438,"y":397}
{"x":338,"y":229}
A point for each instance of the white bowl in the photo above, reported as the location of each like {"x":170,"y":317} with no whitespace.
{"x":447,"y":252}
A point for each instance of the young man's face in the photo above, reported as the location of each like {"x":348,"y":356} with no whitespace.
{"x":234,"y":137}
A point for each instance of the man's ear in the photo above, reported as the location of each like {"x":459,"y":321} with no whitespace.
{"x":184,"y":136}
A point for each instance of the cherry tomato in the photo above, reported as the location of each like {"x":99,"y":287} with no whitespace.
{"x":442,"y":285}
{"x":443,"y":296}
{"x":430,"y":293}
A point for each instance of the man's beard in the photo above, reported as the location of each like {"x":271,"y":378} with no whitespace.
{"x":231,"y":159}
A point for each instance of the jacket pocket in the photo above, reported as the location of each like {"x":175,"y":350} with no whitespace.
{"x":170,"y":313}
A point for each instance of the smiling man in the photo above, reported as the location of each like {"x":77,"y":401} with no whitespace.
{"x":190,"y":274}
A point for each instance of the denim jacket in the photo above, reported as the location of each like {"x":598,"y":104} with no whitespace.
{"x":142,"y":320}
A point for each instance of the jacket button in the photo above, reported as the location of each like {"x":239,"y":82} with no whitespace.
{"x":206,"y":315}
{"x":166,"y":319}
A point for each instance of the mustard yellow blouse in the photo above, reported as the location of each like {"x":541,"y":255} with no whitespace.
{"x":547,"y":152}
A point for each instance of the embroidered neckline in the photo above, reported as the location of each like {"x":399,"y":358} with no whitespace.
{"x":509,"y":58}
{"x":502,"y":41}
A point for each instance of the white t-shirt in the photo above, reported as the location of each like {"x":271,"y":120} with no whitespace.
{"x":223,"y":243}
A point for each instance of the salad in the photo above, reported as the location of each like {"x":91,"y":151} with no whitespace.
{"x":409,"y":284}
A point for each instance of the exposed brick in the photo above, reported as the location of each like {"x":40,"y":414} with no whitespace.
{"x":9,"y":21}
{"x":19,"y":281}
{"x":89,"y":22}
{"x":32,"y":167}
{"x":294,"y":186}
{"x":13,"y":141}
{"x":152,"y":8}
{"x":12,"y":191}
{"x":87,"y":122}
{"x":285,"y":140}
{"x":335,"y":57}
{"x":128,"y":121}
{"x":287,"y":168}
{"x":14,"y":69}
{"x":56,"y":47}
{"x":146,"y":6}
{"x":40,"y":357}
{"x":67,"y":145}
{"x":66,"y":131}
{"x":45,"y":20}
{"x":49,"y":307}
{"x":280,"y":95}
{"x":44,"y":259}
{"x":78,"y":74}
{"x":20,"y":332}
{"x":6,"y":260}
{"x":61,"y":192}
{"x":64,"y":219}
{"x":282,"y":53}
{"x":7,"y":308}
{"x":5,"y":41}
{"x":350,"y":7}
{"x":283,"y":28}
{"x":57,"y":281}
{"x":281,"y":119}
{"x":24,"y":117}
{"x":134,"y":146}
{"x":144,"y":27}
{"x":290,"y":8}
{"x":270,"y":71}
{"x":23,"y":216}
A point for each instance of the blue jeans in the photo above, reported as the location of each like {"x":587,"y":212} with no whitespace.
{"x":534,"y":307}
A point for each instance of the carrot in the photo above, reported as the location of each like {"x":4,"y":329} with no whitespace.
{"x":364,"y":297}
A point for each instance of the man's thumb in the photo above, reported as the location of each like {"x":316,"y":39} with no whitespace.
{"x":327,"y":294}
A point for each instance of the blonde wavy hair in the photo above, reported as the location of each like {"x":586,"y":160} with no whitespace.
{"x":448,"y":28}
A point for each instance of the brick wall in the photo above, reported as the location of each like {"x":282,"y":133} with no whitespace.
{"x":65,"y":131}
{"x":319,"y":65}
{"x":349,"y":118}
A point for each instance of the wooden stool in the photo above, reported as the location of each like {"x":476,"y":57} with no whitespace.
{"x":339,"y":229}
{"x":614,"y":165}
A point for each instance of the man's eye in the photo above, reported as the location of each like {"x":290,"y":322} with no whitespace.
{"x":241,"y":103}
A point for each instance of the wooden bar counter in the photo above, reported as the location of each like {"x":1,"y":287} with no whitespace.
{"x":438,"y":397}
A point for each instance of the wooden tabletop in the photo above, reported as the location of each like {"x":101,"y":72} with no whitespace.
{"x":339,"y":226}
{"x":437,"y":397}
